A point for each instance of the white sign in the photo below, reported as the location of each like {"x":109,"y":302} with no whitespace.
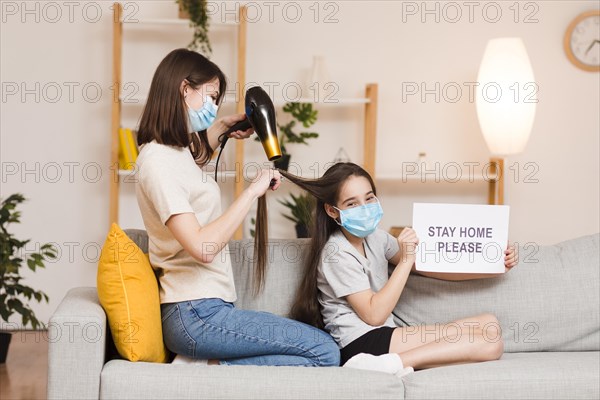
{"x":460,"y":237}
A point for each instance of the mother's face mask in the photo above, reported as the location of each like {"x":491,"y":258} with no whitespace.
{"x":204,"y":116}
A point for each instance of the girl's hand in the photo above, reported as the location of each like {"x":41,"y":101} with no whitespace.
{"x":408,"y":242}
{"x":224,"y":123}
{"x":510,"y":258}
{"x":262,"y":182}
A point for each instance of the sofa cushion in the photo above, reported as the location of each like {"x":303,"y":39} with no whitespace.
{"x":285,"y":264}
{"x":121,"y":379}
{"x":128,"y":293}
{"x":548,"y":302}
{"x":543,"y":375}
{"x":139,"y":237}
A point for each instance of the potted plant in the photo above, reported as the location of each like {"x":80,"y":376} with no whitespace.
{"x":302,"y":208}
{"x":303,"y":113}
{"x":12,"y":290}
{"x":195,"y":11}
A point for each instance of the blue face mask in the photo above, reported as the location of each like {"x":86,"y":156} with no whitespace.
{"x":361,"y":221}
{"x":204,"y":117}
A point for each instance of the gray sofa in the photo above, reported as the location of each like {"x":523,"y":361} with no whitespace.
{"x":548,"y":307}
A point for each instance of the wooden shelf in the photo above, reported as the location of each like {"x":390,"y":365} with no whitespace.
{"x":118,"y":24}
{"x":248,"y":177}
{"x":431,"y":178}
{"x":127,"y":172}
{"x":333,"y":102}
{"x":137,"y":99}
{"x":369,"y":102}
{"x":220,"y":174}
{"x":173,"y":21}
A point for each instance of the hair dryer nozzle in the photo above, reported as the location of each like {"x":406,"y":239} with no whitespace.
{"x":261,"y":114}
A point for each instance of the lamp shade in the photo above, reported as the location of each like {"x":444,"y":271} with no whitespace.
{"x":506,"y":97}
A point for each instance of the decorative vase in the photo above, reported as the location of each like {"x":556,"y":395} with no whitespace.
{"x":341,"y":156}
{"x":301,"y":231}
{"x":283,"y":162}
{"x":183,"y":14}
{"x":4,"y":343}
{"x":316,"y":86}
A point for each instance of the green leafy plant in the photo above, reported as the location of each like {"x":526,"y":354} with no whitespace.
{"x":302,"y":113}
{"x":12,"y":290}
{"x":302,"y":208}
{"x":196,"y":9}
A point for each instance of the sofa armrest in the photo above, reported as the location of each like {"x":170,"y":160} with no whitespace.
{"x":77,"y":334}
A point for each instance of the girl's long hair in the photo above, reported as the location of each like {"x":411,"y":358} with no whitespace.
{"x":326,"y":190}
{"x":165,"y":114}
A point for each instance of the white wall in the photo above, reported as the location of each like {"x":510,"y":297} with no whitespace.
{"x":370,"y":42}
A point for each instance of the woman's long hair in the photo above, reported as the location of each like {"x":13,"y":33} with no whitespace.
{"x":165,"y":115}
{"x":326,"y":190}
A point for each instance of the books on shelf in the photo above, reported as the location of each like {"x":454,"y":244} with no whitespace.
{"x":128,"y":150}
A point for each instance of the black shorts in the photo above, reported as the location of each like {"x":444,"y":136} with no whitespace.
{"x":376,"y":342}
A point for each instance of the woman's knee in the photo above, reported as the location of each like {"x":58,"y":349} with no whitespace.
{"x":328,"y":353}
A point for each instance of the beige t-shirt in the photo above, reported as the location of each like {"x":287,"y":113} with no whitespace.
{"x":169,"y":182}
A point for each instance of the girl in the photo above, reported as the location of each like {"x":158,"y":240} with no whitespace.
{"x":188,"y":234}
{"x":346,"y":288}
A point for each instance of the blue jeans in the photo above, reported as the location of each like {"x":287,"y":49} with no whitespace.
{"x":216,"y":329}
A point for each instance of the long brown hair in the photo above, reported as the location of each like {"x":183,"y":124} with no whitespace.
{"x":164,"y":118}
{"x":326,"y":190}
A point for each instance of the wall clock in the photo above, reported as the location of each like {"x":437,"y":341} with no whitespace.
{"x":582,"y":41}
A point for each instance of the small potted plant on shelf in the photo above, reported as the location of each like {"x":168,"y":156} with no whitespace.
{"x":302,"y":208}
{"x":12,"y":290}
{"x":303,"y":113}
{"x":196,"y":12}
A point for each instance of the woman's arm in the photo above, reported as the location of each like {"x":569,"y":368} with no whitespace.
{"x":375,"y":308}
{"x":221,"y":125}
{"x":204,"y":243}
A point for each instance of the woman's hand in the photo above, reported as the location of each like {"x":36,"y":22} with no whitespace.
{"x":408,"y":242}
{"x":510,"y":258}
{"x":262,"y":182}
{"x":224,"y":123}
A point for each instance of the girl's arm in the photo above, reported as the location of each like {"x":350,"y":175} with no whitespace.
{"x":375,"y":308}
{"x":510,"y":260}
{"x":204,"y":243}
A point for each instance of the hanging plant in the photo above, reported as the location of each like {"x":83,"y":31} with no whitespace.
{"x":196,"y":12}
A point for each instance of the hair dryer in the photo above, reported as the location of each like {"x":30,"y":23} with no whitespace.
{"x":260,"y":115}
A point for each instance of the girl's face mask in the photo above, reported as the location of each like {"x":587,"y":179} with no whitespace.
{"x":361,"y":221}
{"x":203,"y":117}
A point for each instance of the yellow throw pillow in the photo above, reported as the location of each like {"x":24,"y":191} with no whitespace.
{"x":128,"y":292}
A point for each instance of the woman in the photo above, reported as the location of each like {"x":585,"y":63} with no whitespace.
{"x":346,"y":289}
{"x":188,"y":233}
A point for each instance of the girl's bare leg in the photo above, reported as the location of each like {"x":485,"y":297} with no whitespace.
{"x":471,"y":339}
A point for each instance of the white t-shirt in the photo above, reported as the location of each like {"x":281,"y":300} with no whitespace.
{"x":170,"y":182}
{"x":343,"y":271}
